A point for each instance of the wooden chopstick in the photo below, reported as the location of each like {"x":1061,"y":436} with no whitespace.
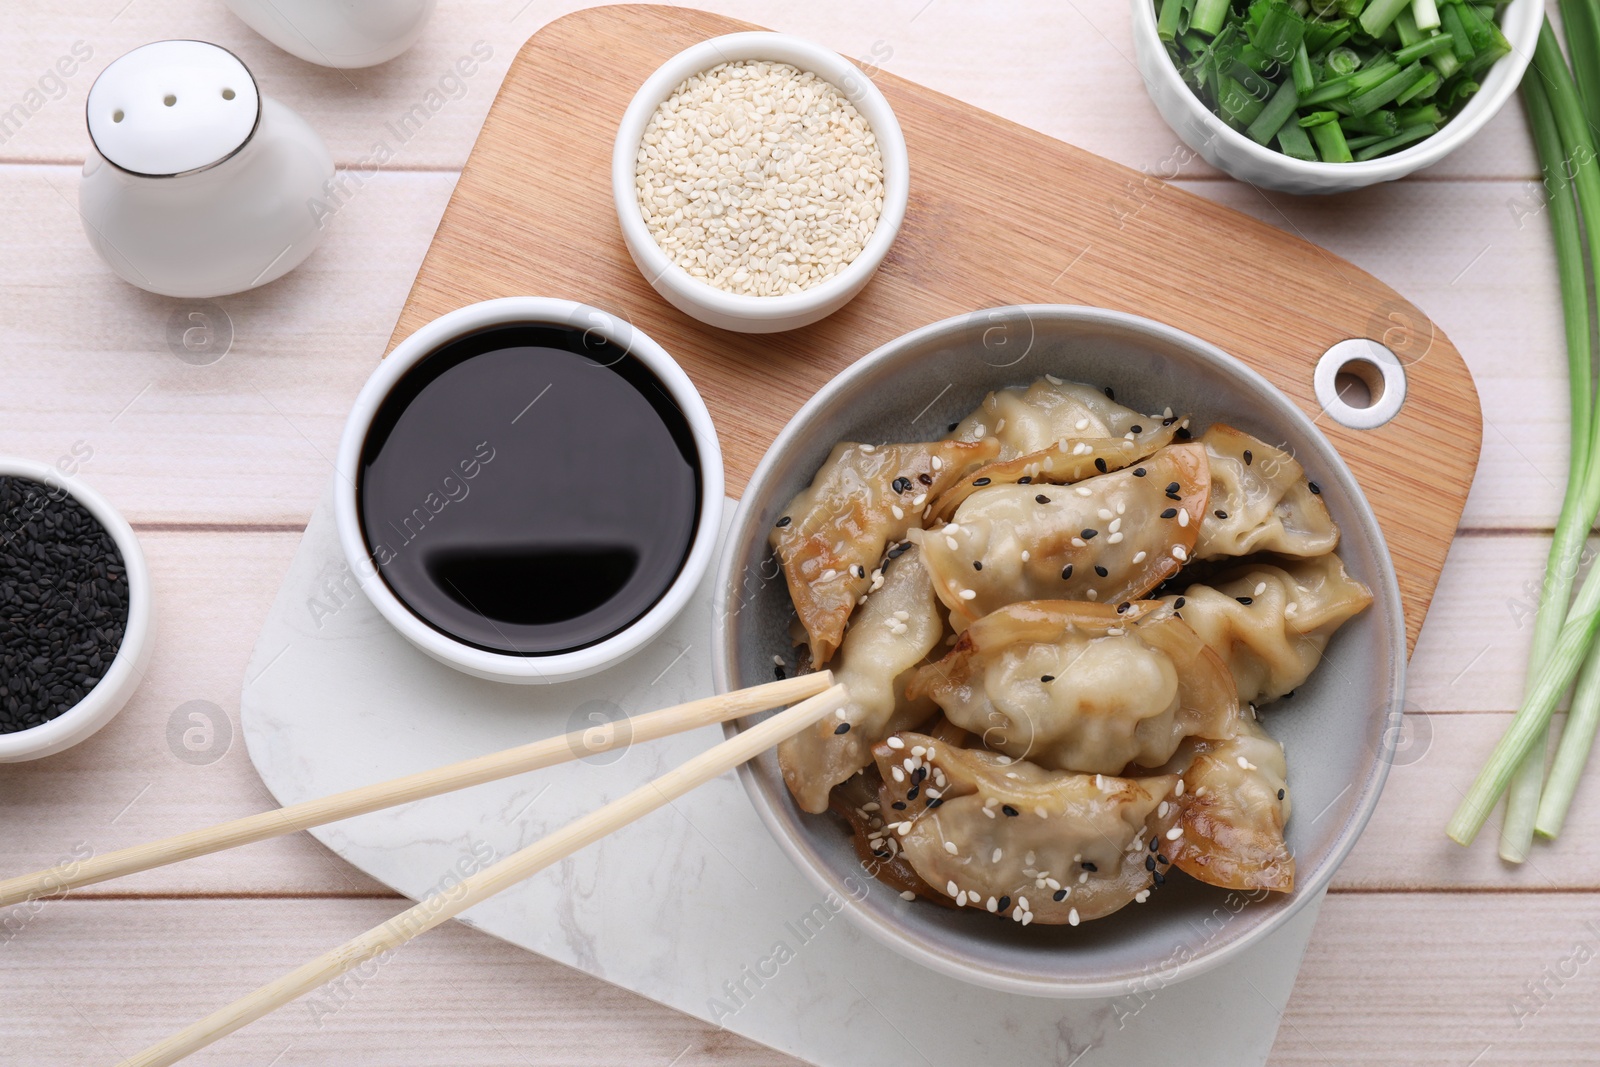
{"x":546,"y":753}
{"x":475,"y":889}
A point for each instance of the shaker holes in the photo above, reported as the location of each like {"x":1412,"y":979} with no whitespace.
{"x":169,"y":100}
{"x":227,"y":94}
{"x":116,"y":116}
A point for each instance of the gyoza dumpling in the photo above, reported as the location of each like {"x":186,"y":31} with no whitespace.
{"x":1260,"y":501}
{"x":834,"y":532}
{"x":892,"y":632}
{"x":1032,"y":418}
{"x":1082,"y":687}
{"x":1234,"y":807}
{"x":1013,"y":838}
{"x":1110,"y":538}
{"x":1270,"y":622}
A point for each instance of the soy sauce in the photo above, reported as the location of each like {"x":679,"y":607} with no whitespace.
{"x":529,"y":489}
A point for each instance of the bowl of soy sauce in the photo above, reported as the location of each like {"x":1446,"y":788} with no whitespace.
{"x":530,"y":489}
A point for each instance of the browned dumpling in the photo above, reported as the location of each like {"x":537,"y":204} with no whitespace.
{"x":1270,"y":622}
{"x":1261,"y":501}
{"x":1031,"y":418}
{"x":1015,"y":839}
{"x":1082,"y":687}
{"x":1234,"y":806}
{"x":833,"y":534}
{"x":891,"y":633}
{"x":1108,"y":539}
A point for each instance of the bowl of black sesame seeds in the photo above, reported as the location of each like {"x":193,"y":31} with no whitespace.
{"x":75,"y":620}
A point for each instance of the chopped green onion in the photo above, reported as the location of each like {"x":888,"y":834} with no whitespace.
{"x":1294,"y":142}
{"x":1331,"y":145}
{"x":1208,"y":16}
{"x":1303,"y":77}
{"x":1274,"y":115}
{"x":1167,"y":21}
{"x":1380,"y":13}
{"x":1424,"y":48}
{"x":1399,"y":140}
{"x":1386,"y":91}
{"x":1426,"y":14}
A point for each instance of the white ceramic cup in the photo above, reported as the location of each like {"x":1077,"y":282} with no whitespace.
{"x":737,"y":311}
{"x":112,"y":691}
{"x":196,"y":185}
{"x":338,"y":33}
{"x":1232,"y":152}
{"x":499,"y":666}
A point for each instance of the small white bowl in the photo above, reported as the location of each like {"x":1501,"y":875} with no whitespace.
{"x":112,"y":691}
{"x":737,"y":311}
{"x":499,"y":666}
{"x":1231,"y":151}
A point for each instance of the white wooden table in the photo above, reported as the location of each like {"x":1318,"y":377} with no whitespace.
{"x":1424,"y":953}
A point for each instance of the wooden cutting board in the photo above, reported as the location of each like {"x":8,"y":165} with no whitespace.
{"x":999,"y":214}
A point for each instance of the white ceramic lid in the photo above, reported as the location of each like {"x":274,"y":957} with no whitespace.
{"x":171,"y":107}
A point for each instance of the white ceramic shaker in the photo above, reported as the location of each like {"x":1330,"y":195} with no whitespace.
{"x":337,"y":33}
{"x":197,"y":185}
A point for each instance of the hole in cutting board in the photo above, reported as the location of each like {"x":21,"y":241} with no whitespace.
{"x":1360,"y":383}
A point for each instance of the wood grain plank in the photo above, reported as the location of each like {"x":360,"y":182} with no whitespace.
{"x":1074,"y":80}
{"x":202,"y":445}
{"x":1034,"y":220}
{"x":1431,"y":980}
{"x":140,"y":778}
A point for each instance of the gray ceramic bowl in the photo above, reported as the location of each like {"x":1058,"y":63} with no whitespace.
{"x":1337,"y":729}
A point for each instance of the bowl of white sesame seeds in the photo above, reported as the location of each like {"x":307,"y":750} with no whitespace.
{"x":760,"y":180}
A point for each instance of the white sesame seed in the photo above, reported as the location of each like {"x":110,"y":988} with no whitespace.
{"x":1004,"y":761}
{"x":950,"y":847}
{"x":1052,"y":379}
{"x":1180,"y":553}
{"x":895,"y":742}
{"x":1027,"y":918}
{"x":871,"y":805}
{"x":989,"y":812}
{"x":1183,"y":517}
{"x":894,"y":509}
{"x":1121,"y":507}
{"x":1072,"y":917}
{"x":1161,"y":811}
{"x":950,"y":888}
{"x":1139,"y":557}
{"x":1083,"y":424}
{"x":1246,"y":765}
{"x":968,"y":594}
{"x":919,"y":500}
{"x":1083,"y":491}
{"x":951,"y":528}
{"x":1039,"y":811}
{"x":1141,"y":896}
{"x":961,"y":899}
{"x":1083,"y":876}
{"x":1116,"y":524}
{"x":1178,"y":789}
{"x":1092,"y":594}
{"x":1025,"y":555}
{"x":1174,"y":833}
{"x":1115,"y":538}
{"x":950,"y":542}
{"x":1261,"y":587}
{"x":869,"y":449}
{"x":899,"y":775}
{"x":936,"y":463}
{"x":1104,"y":513}
{"x":843,"y":713}
{"x":992,"y":904}
{"x":1078,"y":542}
{"x":829,"y":574}
{"x":906,"y":894}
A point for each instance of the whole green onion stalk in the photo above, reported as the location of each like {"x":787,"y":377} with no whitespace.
{"x":1559,"y":650}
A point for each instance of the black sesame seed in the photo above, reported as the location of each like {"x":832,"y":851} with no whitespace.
{"x":1047,"y":678}
{"x":1219,"y":513}
{"x":1247,"y":457}
{"x":881,"y":853}
{"x":1316,"y":490}
{"x":898,"y":805}
{"x":1280,"y":794}
{"x":1169,"y":420}
{"x":1246,"y":601}
{"x":911,"y":794}
{"x":918,"y":775}
{"x":977,"y":564}
{"x":1009,"y":810}
{"x":1162,"y":859}
{"x":778,"y":673}
{"x":1088,"y":535}
{"x":1101,"y":571}
{"x":1109,"y":394}
{"x":1100,"y":464}
{"x":1149,"y":863}
{"x":981,"y":481}
{"x":1172,"y":487}
{"x":1041,"y":499}
{"x":935,"y":802}
{"x":1160,"y":879}
{"x":1170,"y":513}
{"x":1025,"y":479}
{"x":1183,"y":433}
{"x":1066,"y":572}
{"x":952,"y":427}
{"x":1136,"y":429}
{"x":1060,"y":895}
{"x":1175,"y":496}
{"x":1003,"y":903}
{"x":784,"y":522}
{"x":1154,"y":844}
{"x":842,"y":728}
{"x":1123,"y":607}
{"x":898,"y":550}
{"x":1090,"y":867}
{"x":1178,"y":603}
{"x":858,"y":570}
{"x":925,"y":479}
{"x":902,"y":484}
{"x":1138,"y":472}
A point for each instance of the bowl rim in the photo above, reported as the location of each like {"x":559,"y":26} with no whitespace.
{"x":807,"y":56}
{"x":533,"y":310}
{"x":111,"y":693}
{"x":1521,"y":25}
{"x":1386,"y":593}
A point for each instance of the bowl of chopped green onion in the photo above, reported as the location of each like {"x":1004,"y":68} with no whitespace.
{"x":1325,"y":96}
